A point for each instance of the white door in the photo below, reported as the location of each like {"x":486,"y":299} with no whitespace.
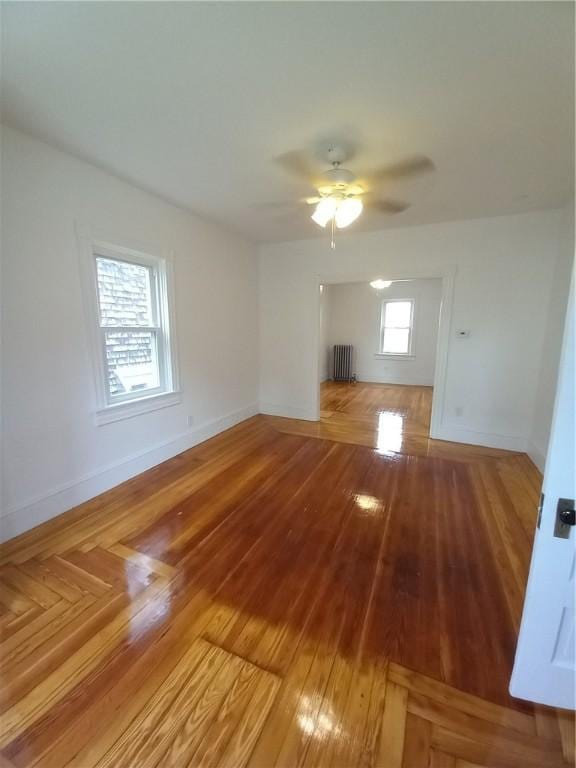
{"x":545,"y":657}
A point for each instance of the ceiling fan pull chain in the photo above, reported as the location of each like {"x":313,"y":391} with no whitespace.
{"x":332,"y":243}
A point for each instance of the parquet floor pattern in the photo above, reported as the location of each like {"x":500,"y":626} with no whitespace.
{"x":272,"y":599}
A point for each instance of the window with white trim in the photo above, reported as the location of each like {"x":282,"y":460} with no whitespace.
{"x":135,"y":364}
{"x":396,"y":326}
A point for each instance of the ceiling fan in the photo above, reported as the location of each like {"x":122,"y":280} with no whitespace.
{"x":341,"y":196}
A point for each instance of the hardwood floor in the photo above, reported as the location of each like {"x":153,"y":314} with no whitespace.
{"x":391,"y":418}
{"x":274,"y":599}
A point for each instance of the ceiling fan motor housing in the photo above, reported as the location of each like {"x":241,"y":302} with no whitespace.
{"x":337,"y":176}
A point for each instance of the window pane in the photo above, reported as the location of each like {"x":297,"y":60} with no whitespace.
{"x":396,"y":341}
{"x":124,"y":293}
{"x":132,"y":361}
{"x":398,"y":314}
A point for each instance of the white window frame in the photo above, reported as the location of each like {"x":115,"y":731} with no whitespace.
{"x":109,"y":409}
{"x":397,"y":355}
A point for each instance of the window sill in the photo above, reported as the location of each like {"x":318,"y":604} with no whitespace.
{"x":136,"y":407}
{"x":386,"y":356}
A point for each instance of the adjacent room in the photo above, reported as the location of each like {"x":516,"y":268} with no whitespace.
{"x":377,"y":360}
{"x":287,"y":384}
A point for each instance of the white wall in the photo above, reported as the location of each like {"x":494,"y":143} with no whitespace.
{"x":54,"y":454}
{"x":323,"y":348}
{"x":504,"y":273}
{"x":549,"y":361}
{"x":353,"y":317}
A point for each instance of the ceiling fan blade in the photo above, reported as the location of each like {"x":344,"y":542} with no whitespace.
{"x":410,"y":166}
{"x":298,"y":164}
{"x":387,"y":206}
{"x":282,"y":205}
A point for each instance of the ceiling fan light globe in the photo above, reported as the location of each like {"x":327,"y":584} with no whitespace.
{"x":381,"y":284}
{"x":320,"y":220}
{"x":325,"y":210}
{"x":348,"y":211}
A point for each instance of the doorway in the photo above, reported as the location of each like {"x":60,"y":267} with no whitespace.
{"x":380,"y":392}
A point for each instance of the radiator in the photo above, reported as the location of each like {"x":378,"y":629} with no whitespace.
{"x":342,"y":362}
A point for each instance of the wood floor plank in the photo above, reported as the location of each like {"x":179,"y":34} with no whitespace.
{"x":243,"y":740}
{"x":525,"y":746}
{"x":16,"y":602}
{"x":41,"y":572}
{"x":142,"y":560}
{"x":391,"y":748}
{"x":209,"y":749}
{"x":5,"y":763}
{"x":13,"y":623}
{"x":284,"y":714}
{"x":35,"y":590}
{"x":184,"y":726}
{"x":76,"y":575}
{"x":276,"y":597}
{"x":546,"y":723}
{"x":462,"y":701}
{"x":8,"y":642}
{"x":38,"y":632}
{"x":85,"y":727}
{"x":55,"y":685}
{"x":76,"y":628}
{"x":326,"y":746}
{"x":442,"y":760}
{"x":142,"y":743}
{"x":567,"y":726}
{"x":492,"y":754}
{"x":417,"y":742}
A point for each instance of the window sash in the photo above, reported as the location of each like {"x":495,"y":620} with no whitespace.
{"x":161,"y":261}
{"x":153,"y":299}
{"x":160,"y":362}
{"x":384,"y":327}
{"x":385,"y":345}
{"x":393,"y":327}
{"x":156,"y":329}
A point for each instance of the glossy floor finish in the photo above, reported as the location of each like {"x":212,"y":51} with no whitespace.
{"x":271,"y":599}
{"x":391,"y":418}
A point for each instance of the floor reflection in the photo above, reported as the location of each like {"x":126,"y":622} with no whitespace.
{"x":367,"y":503}
{"x":390,"y":433}
{"x":393,"y":420}
{"x":315,"y":723}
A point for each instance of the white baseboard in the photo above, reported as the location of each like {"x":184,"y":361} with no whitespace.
{"x":17,"y":520}
{"x":415,"y":381}
{"x":537,"y":456}
{"x":288,"y":411}
{"x":456,"y":434}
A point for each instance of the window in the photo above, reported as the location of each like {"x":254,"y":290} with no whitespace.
{"x":134,"y":359}
{"x":396,"y":327}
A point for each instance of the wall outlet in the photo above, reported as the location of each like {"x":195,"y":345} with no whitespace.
{"x":190,"y":421}
{"x":458,"y":411}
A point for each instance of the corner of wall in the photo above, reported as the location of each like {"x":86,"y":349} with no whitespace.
{"x":455,"y":434}
{"x":550,"y":354}
{"x":287,"y":411}
{"x":536,"y":456}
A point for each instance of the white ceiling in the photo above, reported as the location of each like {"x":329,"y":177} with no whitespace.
{"x":195,"y":100}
